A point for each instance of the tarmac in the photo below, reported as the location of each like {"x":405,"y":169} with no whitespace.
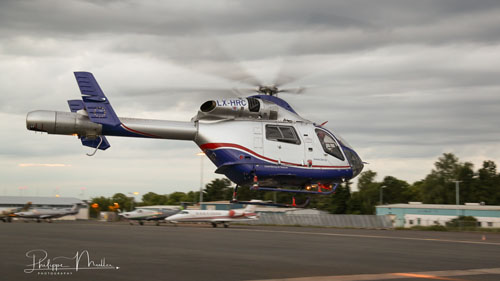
{"x":88,"y":250}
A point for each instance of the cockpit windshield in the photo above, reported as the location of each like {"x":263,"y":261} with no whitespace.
{"x":330,"y":146}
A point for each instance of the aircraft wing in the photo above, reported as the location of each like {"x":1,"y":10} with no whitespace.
{"x":157,"y":217}
{"x":46,"y":216}
{"x":234,"y":219}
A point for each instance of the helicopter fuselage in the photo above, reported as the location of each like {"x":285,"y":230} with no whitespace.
{"x":243,"y":150}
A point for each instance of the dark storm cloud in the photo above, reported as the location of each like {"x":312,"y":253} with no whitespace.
{"x":399,"y":79}
{"x":322,"y":26}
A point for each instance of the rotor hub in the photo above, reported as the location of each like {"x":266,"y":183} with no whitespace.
{"x":268,"y":90}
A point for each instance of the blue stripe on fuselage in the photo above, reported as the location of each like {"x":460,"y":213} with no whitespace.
{"x":240,"y":167}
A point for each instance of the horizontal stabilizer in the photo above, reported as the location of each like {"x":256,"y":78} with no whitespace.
{"x":97,"y":105}
{"x":75,"y":105}
{"x":95,"y":142}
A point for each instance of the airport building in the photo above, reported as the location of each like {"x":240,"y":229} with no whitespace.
{"x":416,"y":213}
{"x":47,"y":203}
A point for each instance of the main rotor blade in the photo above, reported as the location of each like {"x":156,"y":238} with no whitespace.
{"x":297,"y":91}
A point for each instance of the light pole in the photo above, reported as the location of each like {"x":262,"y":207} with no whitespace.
{"x":457,"y":194}
{"x":382,"y":194}
{"x":202,"y":154}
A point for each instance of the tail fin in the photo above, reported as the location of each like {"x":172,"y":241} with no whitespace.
{"x":97,"y":105}
{"x":75,"y":106}
{"x":26,"y":207}
{"x":75,"y":208}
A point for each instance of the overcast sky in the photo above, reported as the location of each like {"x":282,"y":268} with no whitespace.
{"x":401,"y":81}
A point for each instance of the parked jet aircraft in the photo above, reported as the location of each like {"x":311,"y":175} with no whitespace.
{"x":48,"y":214}
{"x":214,"y":217}
{"x":6,"y":214}
{"x":143,"y":214}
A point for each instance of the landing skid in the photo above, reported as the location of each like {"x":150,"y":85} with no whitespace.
{"x":328,"y":190}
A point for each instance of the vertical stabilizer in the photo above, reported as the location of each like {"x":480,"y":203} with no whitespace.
{"x":97,"y":105}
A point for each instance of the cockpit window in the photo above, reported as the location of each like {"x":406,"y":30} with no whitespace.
{"x":329,"y":144}
{"x":282,"y":133}
{"x":184,"y":212}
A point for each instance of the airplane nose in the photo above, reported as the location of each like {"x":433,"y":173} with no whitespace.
{"x":171,"y":218}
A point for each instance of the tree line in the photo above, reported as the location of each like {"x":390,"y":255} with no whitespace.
{"x":438,"y":187}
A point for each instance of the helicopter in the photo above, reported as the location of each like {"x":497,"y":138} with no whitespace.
{"x":258,"y":141}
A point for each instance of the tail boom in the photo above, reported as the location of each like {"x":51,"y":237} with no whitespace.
{"x":72,"y":123}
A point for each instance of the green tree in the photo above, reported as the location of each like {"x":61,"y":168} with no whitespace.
{"x":395,"y":190}
{"x":368,"y":194}
{"x":102,"y":203}
{"x":193,"y":197}
{"x":152,"y":198}
{"x":488,"y":184}
{"x":125,"y":203}
{"x":336,"y":203}
{"x":465,"y":174}
{"x":438,"y":186}
{"x":218,"y":189}
{"x":245,"y":193}
{"x":176,"y":198}
{"x":413,"y":192}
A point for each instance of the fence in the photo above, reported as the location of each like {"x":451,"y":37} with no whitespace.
{"x":355,"y":221}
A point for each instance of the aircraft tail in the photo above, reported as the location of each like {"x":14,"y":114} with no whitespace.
{"x":96,"y":106}
{"x":75,"y":208}
{"x":250,"y":208}
{"x":26,"y":207}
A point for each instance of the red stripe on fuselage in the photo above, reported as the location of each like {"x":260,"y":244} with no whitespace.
{"x":137,"y":132}
{"x":232,"y":145}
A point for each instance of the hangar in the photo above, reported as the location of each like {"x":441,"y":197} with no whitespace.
{"x":416,"y":213}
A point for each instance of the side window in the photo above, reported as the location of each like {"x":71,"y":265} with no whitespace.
{"x":329,"y":145}
{"x":282,"y":133}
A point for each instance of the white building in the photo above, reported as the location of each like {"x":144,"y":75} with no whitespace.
{"x":416,"y":213}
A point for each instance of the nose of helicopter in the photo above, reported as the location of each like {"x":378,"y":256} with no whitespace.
{"x":355,"y":161}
